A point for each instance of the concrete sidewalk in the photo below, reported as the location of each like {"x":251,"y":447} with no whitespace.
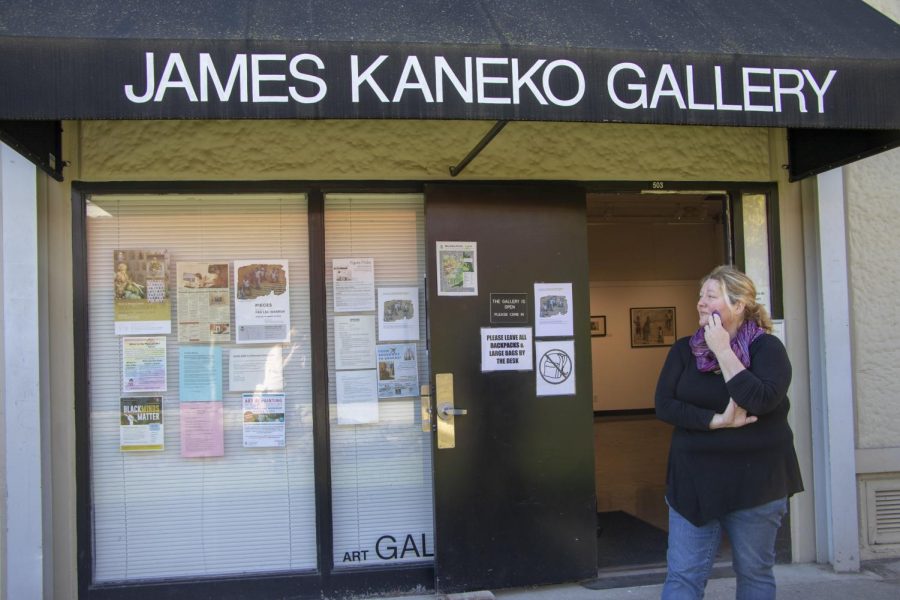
{"x":877,"y":580}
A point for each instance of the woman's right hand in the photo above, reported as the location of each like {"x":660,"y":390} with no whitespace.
{"x":733,"y":416}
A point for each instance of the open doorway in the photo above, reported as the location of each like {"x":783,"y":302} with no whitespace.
{"x":647,"y":253}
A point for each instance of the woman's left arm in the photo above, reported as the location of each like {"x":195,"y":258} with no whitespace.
{"x":763,"y":386}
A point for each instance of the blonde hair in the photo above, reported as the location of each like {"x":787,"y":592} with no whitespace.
{"x":737,"y":287}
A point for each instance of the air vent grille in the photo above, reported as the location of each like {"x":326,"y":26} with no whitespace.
{"x":884,"y":511}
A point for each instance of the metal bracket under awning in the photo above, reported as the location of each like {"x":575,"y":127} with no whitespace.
{"x":490,"y":135}
{"x":38,"y":141}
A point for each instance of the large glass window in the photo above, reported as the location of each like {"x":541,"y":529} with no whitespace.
{"x":756,"y":245}
{"x":377,"y":356}
{"x":201,"y":447}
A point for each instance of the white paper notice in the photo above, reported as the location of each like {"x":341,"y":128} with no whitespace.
{"x":398,"y":314}
{"x":144,"y":364}
{"x":555,"y":373}
{"x":263,"y":420}
{"x":354,"y":284}
{"x":255,"y":369}
{"x":262,"y":304}
{"x":354,"y":342}
{"x":553,"y":310}
{"x":506,"y":349}
{"x":398,"y":371}
{"x":357,"y":397}
{"x":457,"y":268}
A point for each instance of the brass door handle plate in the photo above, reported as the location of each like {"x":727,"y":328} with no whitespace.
{"x":446,"y":412}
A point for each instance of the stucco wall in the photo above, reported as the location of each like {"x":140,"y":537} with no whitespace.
{"x":873,"y":222}
{"x":415,"y":150}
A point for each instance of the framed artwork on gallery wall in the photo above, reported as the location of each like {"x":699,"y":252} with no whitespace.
{"x":598,"y":326}
{"x":652,"y":326}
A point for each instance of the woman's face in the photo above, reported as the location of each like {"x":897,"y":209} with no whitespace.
{"x":712,"y":298}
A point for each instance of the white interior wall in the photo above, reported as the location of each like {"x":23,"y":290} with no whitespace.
{"x":639,"y":265}
{"x":625,"y":377}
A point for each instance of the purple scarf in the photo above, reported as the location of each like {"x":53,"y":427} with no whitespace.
{"x":740,"y":343}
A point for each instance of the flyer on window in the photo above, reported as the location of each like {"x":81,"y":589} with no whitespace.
{"x":141,"y":292}
{"x":398,"y":314}
{"x":204,"y":302}
{"x":144,"y":364}
{"x":255,"y":369}
{"x":457,"y":268}
{"x":353,"y":282}
{"x":141,"y":424}
{"x":354,"y":342}
{"x":553,"y":310}
{"x":202,"y":429}
{"x":357,"y":397}
{"x":199,"y":373}
{"x":263,"y":420}
{"x":398,"y":371}
{"x":262,"y":306}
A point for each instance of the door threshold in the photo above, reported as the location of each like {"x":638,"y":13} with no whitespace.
{"x":625,"y":577}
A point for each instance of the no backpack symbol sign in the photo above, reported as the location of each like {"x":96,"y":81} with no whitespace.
{"x":556,"y":368}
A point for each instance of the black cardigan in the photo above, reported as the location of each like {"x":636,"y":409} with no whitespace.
{"x":714,"y":472}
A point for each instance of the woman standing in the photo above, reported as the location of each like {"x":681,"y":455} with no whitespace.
{"x":732,"y":463}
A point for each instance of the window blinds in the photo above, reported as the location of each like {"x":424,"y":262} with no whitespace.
{"x":155,"y":513}
{"x":381,"y":472}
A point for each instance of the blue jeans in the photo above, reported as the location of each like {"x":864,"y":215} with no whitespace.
{"x":692,"y":551}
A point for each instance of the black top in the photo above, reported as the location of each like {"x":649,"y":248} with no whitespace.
{"x":714,"y":472}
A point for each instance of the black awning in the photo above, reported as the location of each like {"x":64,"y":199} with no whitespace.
{"x":798,"y":64}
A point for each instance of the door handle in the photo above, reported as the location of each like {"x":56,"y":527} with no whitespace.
{"x":446,"y":411}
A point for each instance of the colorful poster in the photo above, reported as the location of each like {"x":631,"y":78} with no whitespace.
{"x":354,"y":342}
{"x":262,"y":306}
{"x":255,"y":369}
{"x":141,"y":292}
{"x":141,"y":424}
{"x":202,"y":429}
{"x":506,"y":349}
{"x":398,"y":371}
{"x":144,"y":364}
{"x":398,"y":314}
{"x":204,"y":302}
{"x":553,"y":310}
{"x":353,"y":281}
{"x":555,"y":373}
{"x":357,"y":397}
{"x":457,"y":268}
{"x":263,"y":420}
{"x":199,"y":373}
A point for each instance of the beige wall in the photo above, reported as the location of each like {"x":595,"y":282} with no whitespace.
{"x":58,"y":366}
{"x":416,"y":150}
{"x":873,"y":219}
{"x":873,"y":222}
{"x":793,"y":275}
